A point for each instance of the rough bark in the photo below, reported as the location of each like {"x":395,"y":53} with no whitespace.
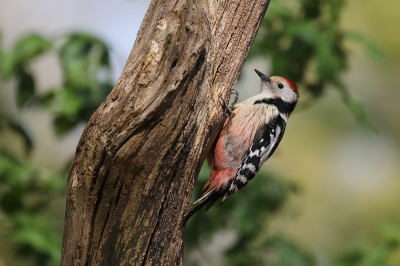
{"x":135,"y":166}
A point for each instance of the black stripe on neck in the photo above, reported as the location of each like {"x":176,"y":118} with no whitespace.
{"x":281,"y":105}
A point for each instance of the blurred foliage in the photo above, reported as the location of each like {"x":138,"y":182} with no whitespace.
{"x":85,"y":63}
{"x":385,"y":252}
{"x":15,"y":65}
{"x":26,"y":191}
{"x":247,"y":215}
{"x":304,"y":43}
{"x":86,"y":76}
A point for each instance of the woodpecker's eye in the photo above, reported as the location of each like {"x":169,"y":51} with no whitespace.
{"x":280,"y":86}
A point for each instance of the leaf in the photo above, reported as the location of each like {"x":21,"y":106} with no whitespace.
{"x":2,"y":55}
{"x":25,"y":88}
{"x":284,"y":253}
{"x":10,"y":202}
{"x":62,"y":124}
{"x":315,"y":89}
{"x":30,"y":47}
{"x":304,"y":30}
{"x":26,"y":49}
{"x":278,"y":10}
{"x":45,"y":100}
{"x":327,"y":69}
{"x":355,"y":106}
{"x":68,"y":102}
{"x":311,"y":8}
{"x":370,"y":46}
{"x":358,"y":110}
{"x":17,"y":128}
{"x":350,"y":258}
{"x":83,"y":56}
{"x":391,"y":232}
{"x":33,"y":230}
{"x":335,"y":8}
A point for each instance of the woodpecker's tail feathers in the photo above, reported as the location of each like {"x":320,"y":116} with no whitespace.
{"x":207,"y":200}
{"x":232,"y":189}
{"x":201,"y":202}
{"x":223,"y":199}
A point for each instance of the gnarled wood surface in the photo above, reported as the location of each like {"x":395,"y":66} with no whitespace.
{"x":137,"y":161}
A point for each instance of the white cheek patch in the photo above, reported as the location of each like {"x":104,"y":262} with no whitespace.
{"x":288,"y":95}
{"x":267,"y":93}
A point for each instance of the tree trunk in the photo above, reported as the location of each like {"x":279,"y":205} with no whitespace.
{"x":136,"y":163}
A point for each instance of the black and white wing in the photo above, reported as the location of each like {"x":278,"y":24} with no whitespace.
{"x":265,"y":143}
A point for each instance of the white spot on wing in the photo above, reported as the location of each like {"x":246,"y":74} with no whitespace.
{"x":255,"y":153}
{"x":242,"y":179}
{"x":251,"y":167}
{"x":233,"y":187}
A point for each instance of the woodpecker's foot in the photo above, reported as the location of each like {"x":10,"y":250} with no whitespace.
{"x":229,"y":108}
{"x":236,"y":94}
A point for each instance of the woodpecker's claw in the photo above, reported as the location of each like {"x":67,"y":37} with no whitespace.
{"x":229,"y":108}
{"x":228,"y":111}
{"x":234,"y":92}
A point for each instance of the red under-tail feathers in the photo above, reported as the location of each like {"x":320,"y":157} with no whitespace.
{"x":221,"y":173}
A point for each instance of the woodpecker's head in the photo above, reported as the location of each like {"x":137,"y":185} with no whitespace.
{"x":278,"y":87}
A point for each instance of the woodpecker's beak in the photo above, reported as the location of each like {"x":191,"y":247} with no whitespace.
{"x":262,"y":76}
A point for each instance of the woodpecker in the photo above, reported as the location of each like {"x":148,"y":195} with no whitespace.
{"x":248,"y":138}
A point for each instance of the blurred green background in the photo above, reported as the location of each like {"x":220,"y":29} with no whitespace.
{"x":328,"y":196}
